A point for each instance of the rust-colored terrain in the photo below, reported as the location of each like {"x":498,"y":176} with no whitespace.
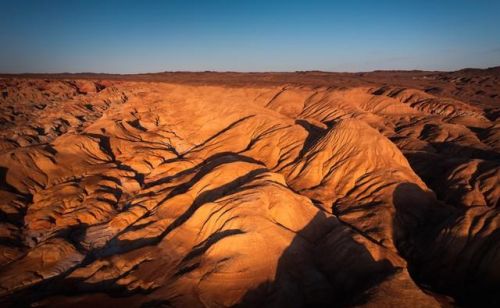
{"x":258,"y":189}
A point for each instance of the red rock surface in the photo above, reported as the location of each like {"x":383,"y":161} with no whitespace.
{"x":278,"y":189}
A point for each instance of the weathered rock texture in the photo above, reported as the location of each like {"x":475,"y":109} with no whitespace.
{"x":284,"y":195}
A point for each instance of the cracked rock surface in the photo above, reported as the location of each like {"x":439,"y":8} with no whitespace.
{"x":152,"y":194}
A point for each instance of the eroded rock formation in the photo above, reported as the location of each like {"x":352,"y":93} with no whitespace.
{"x":173,"y":194}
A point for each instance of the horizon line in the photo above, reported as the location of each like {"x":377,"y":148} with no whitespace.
{"x":254,"y":72}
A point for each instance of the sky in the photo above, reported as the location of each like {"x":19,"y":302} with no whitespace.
{"x":123,"y":36}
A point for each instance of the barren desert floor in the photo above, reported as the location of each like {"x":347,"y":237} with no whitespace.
{"x":250,"y":189}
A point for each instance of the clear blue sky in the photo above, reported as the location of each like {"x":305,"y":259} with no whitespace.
{"x":149,"y":36}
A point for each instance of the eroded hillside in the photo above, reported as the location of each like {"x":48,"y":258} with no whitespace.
{"x":169,"y":194}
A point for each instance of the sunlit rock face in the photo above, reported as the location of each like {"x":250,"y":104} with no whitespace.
{"x":192,"y":194}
